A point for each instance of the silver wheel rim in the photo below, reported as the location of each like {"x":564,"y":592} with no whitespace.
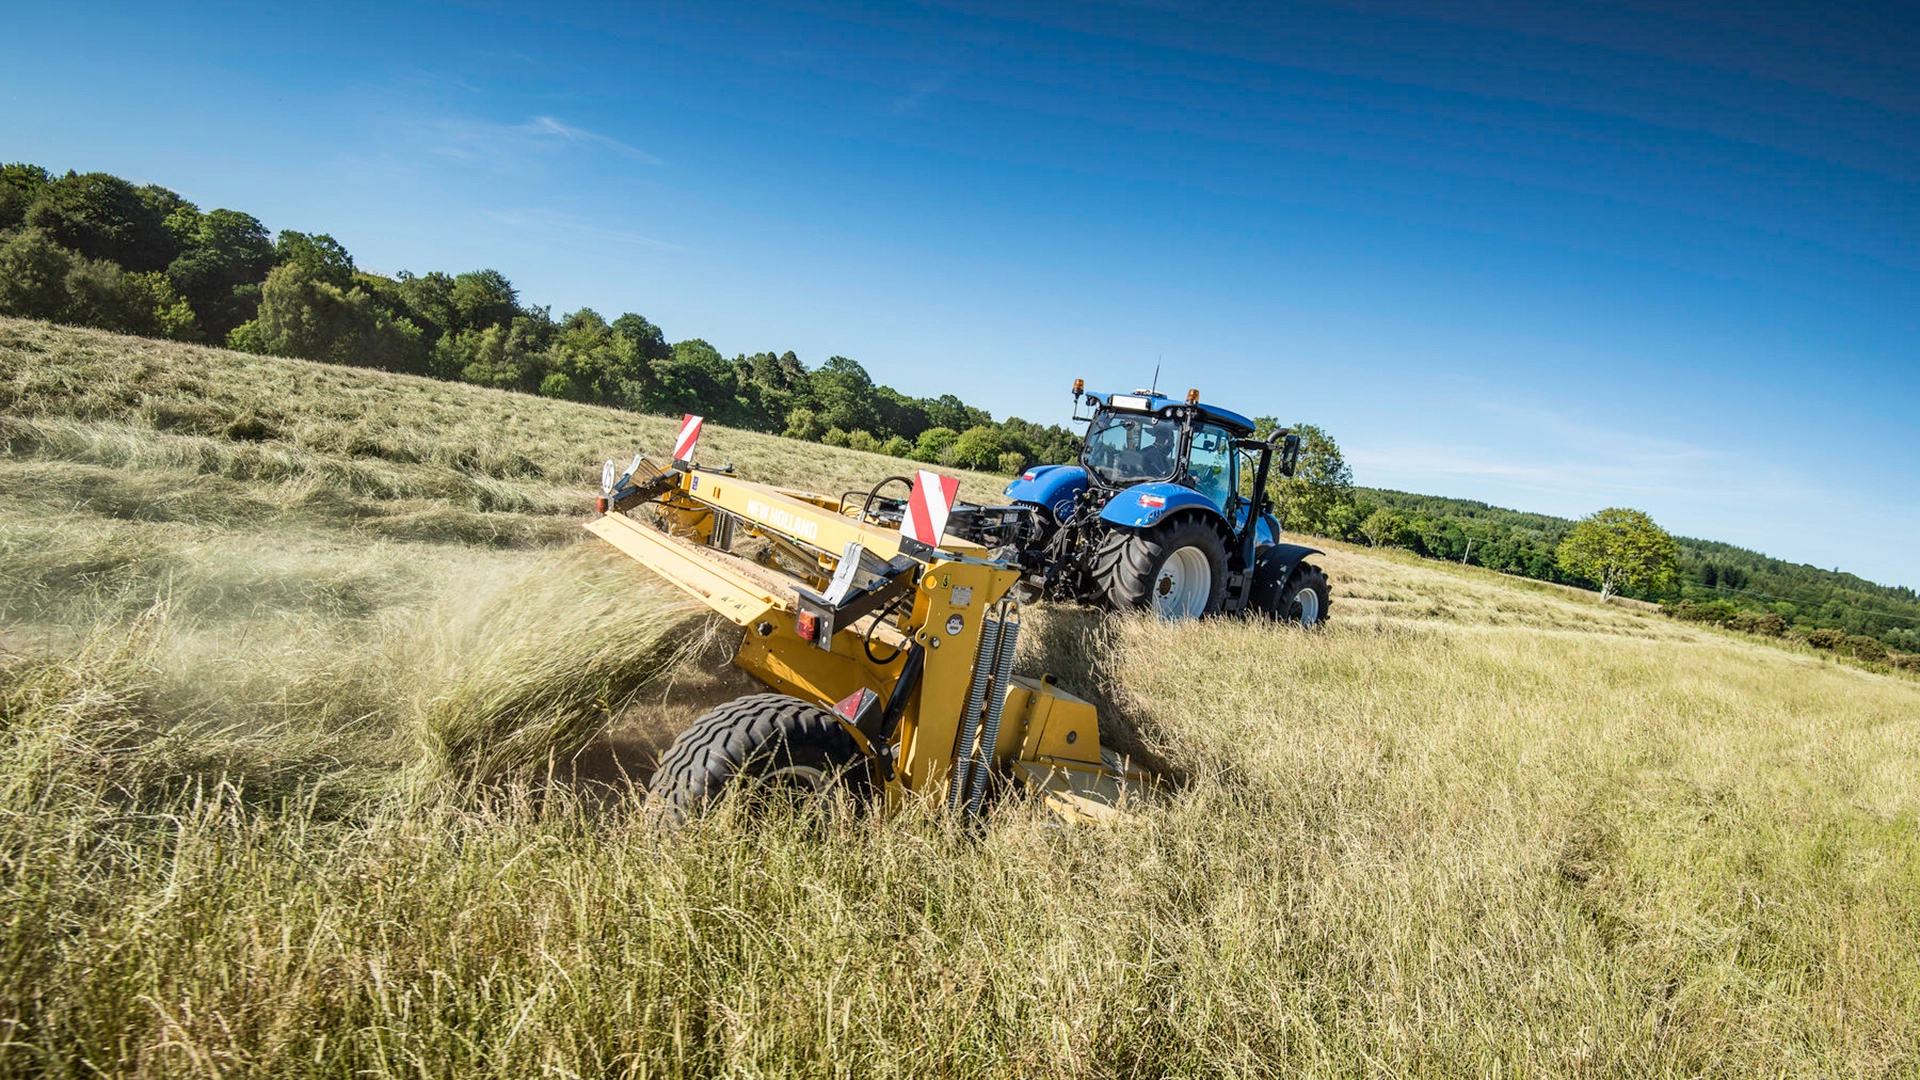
{"x":798,"y":777}
{"x":1306,"y":606}
{"x":1181,"y":588}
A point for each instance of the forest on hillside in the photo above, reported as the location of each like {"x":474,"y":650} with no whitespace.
{"x":93,"y":249}
{"x":1711,"y":582}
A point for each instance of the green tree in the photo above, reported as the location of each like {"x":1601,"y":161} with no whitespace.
{"x":843,"y":394}
{"x":592,"y":362}
{"x":977,"y":448}
{"x":224,"y":256}
{"x":504,"y":357}
{"x":1318,"y":498}
{"x":897,"y":447}
{"x":33,"y":275}
{"x":1383,"y":526}
{"x":804,"y":423}
{"x":645,"y":337}
{"x":321,"y":255}
{"x":304,"y":316}
{"x":20,"y":185}
{"x":103,"y":217}
{"x":39,"y":279}
{"x":933,"y":444}
{"x":483,"y":298}
{"x":1618,"y":549}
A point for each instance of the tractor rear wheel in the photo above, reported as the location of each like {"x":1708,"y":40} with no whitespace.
{"x":772,"y":740}
{"x":1177,"y":571}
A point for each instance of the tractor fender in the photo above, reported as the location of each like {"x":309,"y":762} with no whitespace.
{"x":1287,"y":555}
{"x":1144,"y":505}
{"x":1052,"y":486}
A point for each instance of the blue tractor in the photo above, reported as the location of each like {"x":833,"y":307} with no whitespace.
{"x":1167,"y":510}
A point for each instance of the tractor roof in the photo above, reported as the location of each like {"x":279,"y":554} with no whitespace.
{"x":1148,"y":401}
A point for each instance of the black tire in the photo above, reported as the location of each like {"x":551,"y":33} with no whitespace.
{"x":1286,"y":601}
{"x":1128,"y":565}
{"x":762,"y":736}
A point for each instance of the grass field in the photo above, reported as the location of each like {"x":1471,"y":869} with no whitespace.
{"x":309,"y":683}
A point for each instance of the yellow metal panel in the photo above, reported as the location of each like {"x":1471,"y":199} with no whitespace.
{"x":736,"y":596}
{"x":952,"y":599}
{"x":1063,"y":728}
{"x":1022,"y":706}
{"x":1079,"y":794}
{"x":790,"y":665}
{"x":796,"y":516}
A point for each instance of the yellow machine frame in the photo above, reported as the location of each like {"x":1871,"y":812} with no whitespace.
{"x":960,"y":723}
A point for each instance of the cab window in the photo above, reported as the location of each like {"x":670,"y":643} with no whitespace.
{"x":1210,"y":463}
{"x":1129,"y":448}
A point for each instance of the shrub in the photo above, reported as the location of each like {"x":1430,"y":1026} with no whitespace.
{"x":934,"y":443}
{"x":897,"y":447}
{"x":835,"y":437}
{"x":978,"y":448}
{"x":1760,"y":622}
{"x":1862,"y":647}
{"x":1713,"y":612}
{"x":1012,"y":462}
{"x":863,"y":440}
{"x":804,"y":423}
{"x":1827,"y":638}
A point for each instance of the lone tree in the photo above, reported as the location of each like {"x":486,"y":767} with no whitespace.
{"x":1618,"y":548}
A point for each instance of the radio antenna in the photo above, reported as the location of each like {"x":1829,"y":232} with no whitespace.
{"x":1155,"y":392}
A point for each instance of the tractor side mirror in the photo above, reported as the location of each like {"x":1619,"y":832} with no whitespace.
{"x":1289,"y":455}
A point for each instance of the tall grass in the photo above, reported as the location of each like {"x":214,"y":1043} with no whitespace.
{"x":1474,"y":828}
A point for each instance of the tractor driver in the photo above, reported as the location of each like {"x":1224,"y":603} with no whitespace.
{"x":1158,"y":441}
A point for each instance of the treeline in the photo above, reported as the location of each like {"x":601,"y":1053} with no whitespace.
{"x":95,"y":250}
{"x":1712,"y":582}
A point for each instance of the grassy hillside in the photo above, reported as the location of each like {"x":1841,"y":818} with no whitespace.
{"x":304,"y":669}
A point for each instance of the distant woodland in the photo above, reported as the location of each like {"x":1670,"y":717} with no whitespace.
{"x":93,"y":249}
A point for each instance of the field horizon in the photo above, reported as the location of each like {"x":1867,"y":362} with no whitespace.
{"x":319,"y":717}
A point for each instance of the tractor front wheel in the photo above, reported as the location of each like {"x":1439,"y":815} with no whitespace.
{"x":1304,"y":597}
{"x":1177,"y":571}
{"x":772,"y":740}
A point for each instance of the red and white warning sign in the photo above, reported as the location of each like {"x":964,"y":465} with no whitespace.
{"x":688,"y":438}
{"x":928,"y":506}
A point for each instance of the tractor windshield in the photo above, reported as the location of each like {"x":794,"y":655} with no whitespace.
{"x":1131,"y":448}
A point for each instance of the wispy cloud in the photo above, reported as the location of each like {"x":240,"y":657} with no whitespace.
{"x":541,"y":126}
{"x":1514,"y":445}
{"x":484,"y":143}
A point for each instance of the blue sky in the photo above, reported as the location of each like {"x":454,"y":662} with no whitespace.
{"x":1555,"y":256}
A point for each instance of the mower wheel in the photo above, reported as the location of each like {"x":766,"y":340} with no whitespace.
{"x":1304,"y":597}
{"x":1178,"y":571}
{"x":775,"y":741}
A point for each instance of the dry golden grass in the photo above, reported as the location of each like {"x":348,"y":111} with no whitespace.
{"x":257,"y":671}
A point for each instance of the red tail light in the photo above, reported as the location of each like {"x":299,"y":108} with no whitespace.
{"x":600,"y":504}
{"x":1153,"y":500}
{"x":807,"y":626}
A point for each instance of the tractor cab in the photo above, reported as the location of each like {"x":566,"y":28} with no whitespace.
{"x":1145,"y":438}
